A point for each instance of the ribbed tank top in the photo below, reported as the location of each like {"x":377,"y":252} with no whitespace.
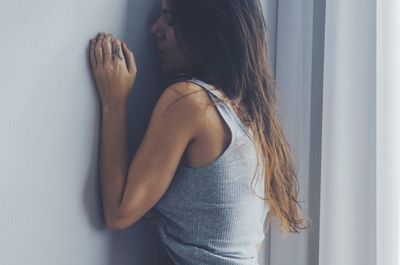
{"x":209,"y":214}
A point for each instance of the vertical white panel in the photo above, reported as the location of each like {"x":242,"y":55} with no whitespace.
{"x":49,"y":195}
{"x":388,"y":133}
{"x":294,"y":78}
{"x":348,"y":205}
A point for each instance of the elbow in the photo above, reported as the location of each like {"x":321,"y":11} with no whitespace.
{"x":115,"y":224}
{"x":111,"y":226}
{"x":112,"y":223}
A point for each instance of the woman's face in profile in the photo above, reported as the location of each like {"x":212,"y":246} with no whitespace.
{"x":171,"y":58}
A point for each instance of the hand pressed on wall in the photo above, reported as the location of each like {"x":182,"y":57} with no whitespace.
{"x":114,"y":69}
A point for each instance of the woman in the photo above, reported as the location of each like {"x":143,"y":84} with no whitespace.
{"x":212,"y":134}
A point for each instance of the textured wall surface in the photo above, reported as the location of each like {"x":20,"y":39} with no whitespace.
{"x":50,"y":117}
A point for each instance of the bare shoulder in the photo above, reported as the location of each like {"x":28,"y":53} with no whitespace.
{"x":185,"y":99}
{"x":191,"y":93}
{"x":182,"y":106}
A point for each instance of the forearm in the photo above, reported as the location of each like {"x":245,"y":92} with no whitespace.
{"x":113,"y":158}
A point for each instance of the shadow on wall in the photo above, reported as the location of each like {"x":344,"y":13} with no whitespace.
{"x":140,"y":243}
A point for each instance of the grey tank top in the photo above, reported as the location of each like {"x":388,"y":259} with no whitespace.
{"x":210,"y":214}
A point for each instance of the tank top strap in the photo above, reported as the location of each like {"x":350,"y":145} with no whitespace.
{"x":225,"y":109}
{"x":205,"y":86}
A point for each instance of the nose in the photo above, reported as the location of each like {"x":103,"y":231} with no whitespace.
{"x":156,"y":29}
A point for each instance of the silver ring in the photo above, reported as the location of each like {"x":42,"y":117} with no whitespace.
{"x":117,"y":52}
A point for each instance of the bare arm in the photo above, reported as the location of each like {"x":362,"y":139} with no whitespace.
{"x":113,"y":158}
{"x":130,"y":190}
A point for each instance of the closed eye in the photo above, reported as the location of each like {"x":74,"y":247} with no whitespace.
{"x":169,"y":17}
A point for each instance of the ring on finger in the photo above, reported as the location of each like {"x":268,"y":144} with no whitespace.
{"x":117,"y":52}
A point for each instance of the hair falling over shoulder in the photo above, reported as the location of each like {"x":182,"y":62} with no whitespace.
{"x":226,"y":41}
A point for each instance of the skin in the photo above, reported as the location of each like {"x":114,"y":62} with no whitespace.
{"x":114,"y":75}
{"x":125,"y":204}
{"x":172,"y":60}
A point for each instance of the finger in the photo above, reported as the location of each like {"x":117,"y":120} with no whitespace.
{"x":92,"y":55}
{"x":118,"y":56}
{"x":107,"y":49}
{"x":130,"y":58}
{"x":99,"y":49}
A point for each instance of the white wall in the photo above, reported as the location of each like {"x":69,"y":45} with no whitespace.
{"x":49,"y":194}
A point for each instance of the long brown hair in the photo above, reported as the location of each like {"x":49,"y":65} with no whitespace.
{"x":225,"y":40}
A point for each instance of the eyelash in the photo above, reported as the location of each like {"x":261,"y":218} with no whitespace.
{"x":168,"y":22}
